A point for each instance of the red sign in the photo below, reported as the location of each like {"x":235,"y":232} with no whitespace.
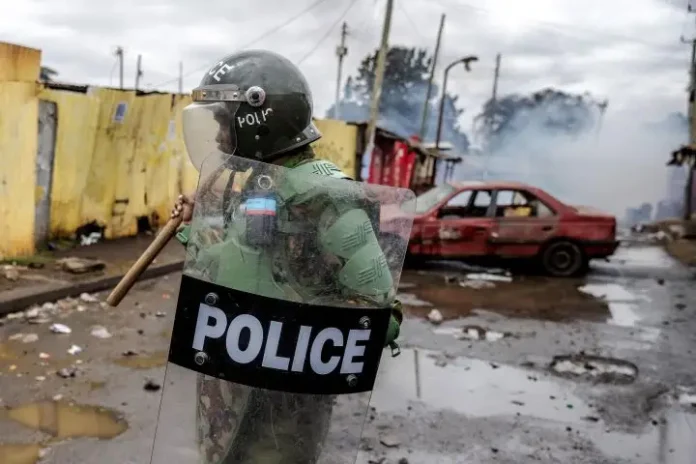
{"x":375,"y":166}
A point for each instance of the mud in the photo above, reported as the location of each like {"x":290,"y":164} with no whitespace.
{"x":20,"y":454}
{"x":60,"y":420}
{"x":525,"y":297}
{"x":143,"y":361}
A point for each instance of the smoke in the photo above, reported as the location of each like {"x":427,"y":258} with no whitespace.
{"x":615,"y":163}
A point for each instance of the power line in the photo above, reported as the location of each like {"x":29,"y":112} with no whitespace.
{"x":328,"y":32}
{"x":269,"y":32}
{"x":408,"y":18}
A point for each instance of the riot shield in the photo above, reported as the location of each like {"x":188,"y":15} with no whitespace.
{"x":282,"y":314}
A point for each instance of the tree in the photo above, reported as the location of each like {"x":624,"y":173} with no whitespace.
{"x":545,"y":114}
{"x":47,"y":74}
{"x":403,"y":95}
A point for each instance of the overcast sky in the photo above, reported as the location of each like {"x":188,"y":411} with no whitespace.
{"x":625,"y":50}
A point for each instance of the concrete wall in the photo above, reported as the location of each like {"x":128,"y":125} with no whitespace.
{"x":116,"y":156}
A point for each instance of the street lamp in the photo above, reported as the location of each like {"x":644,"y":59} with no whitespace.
{"x":466,"y":61}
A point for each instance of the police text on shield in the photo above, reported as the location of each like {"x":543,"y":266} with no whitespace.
{"x":212,"y":323}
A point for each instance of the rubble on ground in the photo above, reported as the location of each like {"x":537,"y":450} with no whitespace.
{"x":75,"y":265}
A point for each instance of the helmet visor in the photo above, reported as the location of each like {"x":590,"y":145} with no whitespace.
{"x":209,"y":130}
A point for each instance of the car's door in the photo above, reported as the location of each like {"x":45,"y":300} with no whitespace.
{"x":523,"y":223}
{"x":463,"y":225}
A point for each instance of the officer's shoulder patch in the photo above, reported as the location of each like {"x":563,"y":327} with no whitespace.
{"x":323,"y":168}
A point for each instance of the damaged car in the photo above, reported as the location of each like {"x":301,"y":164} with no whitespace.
{"x":475,"y":221}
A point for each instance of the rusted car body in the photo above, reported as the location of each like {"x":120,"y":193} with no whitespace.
{"x":506,"y":220}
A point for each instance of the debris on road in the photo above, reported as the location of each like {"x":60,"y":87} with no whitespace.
{"x":435,"y":316}
{"x":60,"y":329}
{"x":409,"y":299}
{"x":100,"y":332}
{"x":29,"y":338}
{"x":87,"y":298}
{"x":67,"y":372}
{"x":390,"y":441}
{"x":75,"y":265}
{"x":10,"y":272}
{"x":475,"y":332}
{"x":151,"y":385}
{"x":594,"y":368}
{"x":489,"y":277}
{"x":477,"y":284}
{"x":160,"y":314}
{"x":74,"y":349}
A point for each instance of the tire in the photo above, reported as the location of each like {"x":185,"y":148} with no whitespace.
{"x":563,"y":258}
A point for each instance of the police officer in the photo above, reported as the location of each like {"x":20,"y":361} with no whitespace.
{"x":257,"y":105}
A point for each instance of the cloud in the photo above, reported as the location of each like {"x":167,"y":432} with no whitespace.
{"x":627,"y":51}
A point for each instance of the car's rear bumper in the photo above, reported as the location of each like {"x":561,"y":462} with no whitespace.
{"x":600,"y":248}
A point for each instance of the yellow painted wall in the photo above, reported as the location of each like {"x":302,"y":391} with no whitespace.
{"x":337,"y":144}
{"x":105,"y":170}
{"x":77,"y":118}
{"x":18,"y":144}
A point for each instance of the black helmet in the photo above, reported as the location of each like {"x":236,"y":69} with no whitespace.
{"x":254,"y":104}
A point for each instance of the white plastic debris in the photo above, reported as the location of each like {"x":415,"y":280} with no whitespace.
{"x":435,"y":316}
{"x":73,"y":350}
{"x":100,"y":332}
{"x":489,"y":277}
{"x":87,"y":298}
{"x":477,"y":284}
{"x":80,"y":308}
{"x":44,"y":355}
{"x":30,"y":338}
{"x":60,"y":328}
{"x":32,"y":312}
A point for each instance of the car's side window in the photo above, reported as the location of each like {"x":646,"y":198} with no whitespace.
{"x":481,"y":203}
{"x":518,"y":203}
{"x":456,"y":207}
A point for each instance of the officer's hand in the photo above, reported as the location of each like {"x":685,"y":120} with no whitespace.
{"x":183,"y":207}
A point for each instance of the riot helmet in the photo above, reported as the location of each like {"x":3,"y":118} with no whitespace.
{"x":254,"y":104}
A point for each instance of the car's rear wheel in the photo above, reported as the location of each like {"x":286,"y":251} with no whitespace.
{"x":563,"y":258}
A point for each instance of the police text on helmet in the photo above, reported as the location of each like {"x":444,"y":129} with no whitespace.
{"x":255,"y":119}
{"x":212,"y":323}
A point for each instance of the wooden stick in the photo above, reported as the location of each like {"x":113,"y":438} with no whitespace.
{"x":149,"y":255}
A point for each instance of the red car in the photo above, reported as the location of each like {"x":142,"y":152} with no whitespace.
{"x":469,"y":220}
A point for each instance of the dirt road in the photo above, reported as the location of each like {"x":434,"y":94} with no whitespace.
{"x":521,"y":370}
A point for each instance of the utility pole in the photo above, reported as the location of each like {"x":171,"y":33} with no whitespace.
{"x":688,"y":189}
{"x":119,"y":56}
{"x":426,"y":105}
{"x":494,"y":98}
{"x":181,"y":77}
{"x":341,"y":52}
{"x":379,"y":73}
{"x":138,"y":71}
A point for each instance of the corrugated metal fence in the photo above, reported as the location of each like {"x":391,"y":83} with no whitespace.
{"x":69,"y":157}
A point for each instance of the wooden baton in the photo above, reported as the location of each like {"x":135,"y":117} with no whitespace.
{"x":149,"y":255}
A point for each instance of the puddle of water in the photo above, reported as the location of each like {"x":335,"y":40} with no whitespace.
{"x":621,"y":302}
{"x":6,"y":354}
{"x":20,"y":454}
{"x":652,"y":256}
{"x":64,"y":420}
{"x":623,"y":314}
{"x":472,"y":387}
{"x":144,"y":361}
